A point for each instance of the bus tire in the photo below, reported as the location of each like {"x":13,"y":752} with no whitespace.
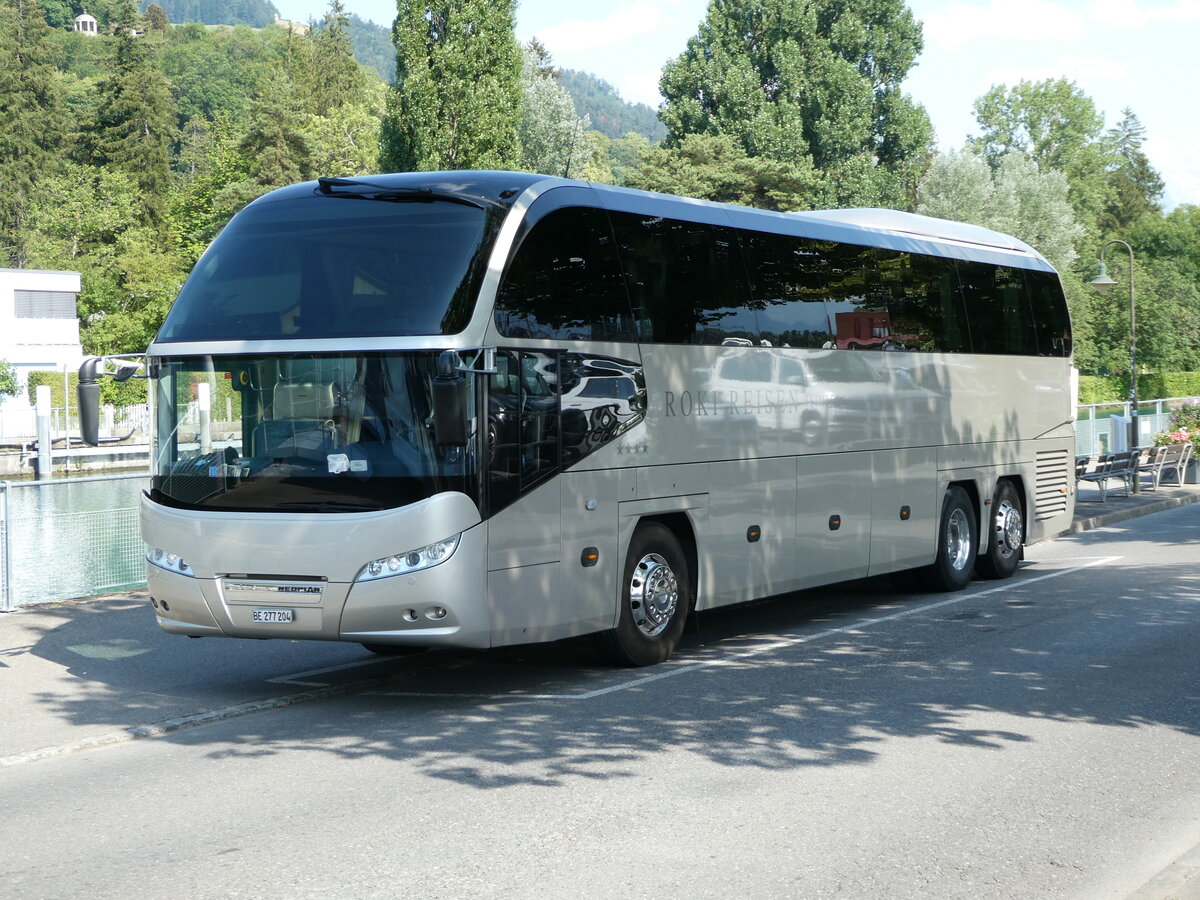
{"x":655,"y":596}
{"x":1006,"y":534}
{"x":957,"y":544}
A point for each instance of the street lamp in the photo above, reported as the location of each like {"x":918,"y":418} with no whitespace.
{"x":1102,"y":283}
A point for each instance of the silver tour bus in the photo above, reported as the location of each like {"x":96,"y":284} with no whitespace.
{"x":485,"y":408}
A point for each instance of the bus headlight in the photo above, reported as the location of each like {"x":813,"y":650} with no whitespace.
{"x":410,"y":560}
{"x":172,"y":562}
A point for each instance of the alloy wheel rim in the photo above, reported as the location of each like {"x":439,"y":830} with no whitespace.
{"x":958,"y":540}
{"x":1009,"y":528}
{"x":653,"y":594}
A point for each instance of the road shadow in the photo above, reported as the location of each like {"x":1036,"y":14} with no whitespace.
{"x":780,"y":685}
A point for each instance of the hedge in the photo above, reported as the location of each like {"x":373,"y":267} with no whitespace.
{"x":129,"y":393}
{"x":1153,"y":386}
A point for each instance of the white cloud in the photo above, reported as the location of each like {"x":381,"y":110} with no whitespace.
{"x":1179,"y":166}
{"x":641,"y":87}
{"x":639,"y":18}
{"x":1072,"y":68}
{"x":1117,"y":13}
{"x":1138,"y":14}
{"x":1183,"y":11}
{"x":1012,"y":20}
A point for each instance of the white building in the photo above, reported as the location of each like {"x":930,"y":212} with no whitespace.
{"x":38,"y":331}
{"x":85,"y":24}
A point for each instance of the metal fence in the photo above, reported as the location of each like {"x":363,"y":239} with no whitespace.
{"x":69,"y":538}
{"x":21,"y":424}
{"x":1102,"y":427}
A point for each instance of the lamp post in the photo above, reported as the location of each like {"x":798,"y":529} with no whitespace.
{"x":1102,"y":283}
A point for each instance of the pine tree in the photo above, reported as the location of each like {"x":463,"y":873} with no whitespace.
{"x":135,"y":123}
{"x":33,"y":121}
{"x":456,"y":102}
{"x":334,"y":75}
{"x":1136,"y":187}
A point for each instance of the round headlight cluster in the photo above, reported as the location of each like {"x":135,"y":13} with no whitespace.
{"x":172,"y":562}
{"x":410,"y":560}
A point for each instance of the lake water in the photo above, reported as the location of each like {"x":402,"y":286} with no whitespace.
{"x":72,"y":539}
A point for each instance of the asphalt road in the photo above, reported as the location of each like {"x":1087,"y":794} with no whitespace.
{"x":1038,"y":737}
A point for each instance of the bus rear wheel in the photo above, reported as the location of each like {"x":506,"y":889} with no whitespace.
{"x":655,"y":597}
{"x":958,"y":543}
{"x":1006,"y":534}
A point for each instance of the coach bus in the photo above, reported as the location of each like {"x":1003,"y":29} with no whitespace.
{"x":485,"y":408}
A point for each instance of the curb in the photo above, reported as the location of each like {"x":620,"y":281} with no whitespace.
{"x":1178,"y":881}
{"x":1112,"y":517}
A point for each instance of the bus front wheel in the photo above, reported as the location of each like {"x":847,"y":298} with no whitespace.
{"x":655,"y":596}
{"x":957,"y":544}
{"x":1005,"y":536}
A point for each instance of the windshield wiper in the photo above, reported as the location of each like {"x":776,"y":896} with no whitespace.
{"x":331,"y":187}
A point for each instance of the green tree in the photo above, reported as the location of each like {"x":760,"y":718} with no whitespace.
{"x":334,"y":77}
{"x":156,"y":18}
{"x":456,"y":101}
{"x":33,"y":123}
{"x":554,"y":140}
{"x":214,"y":71}
{"x":135,"y":123}
{"x":346,"y":141}
{"x":275,"y":143}
{"x":1015,"y":198}
{"x":9,"y":386}
{"x":1135,"y":187}
{"x":715,"y":167}
{"x":87,"y":219}
{"x":808,"y":82}
{"x":214,"y":188}
{"x":1056,"y":125}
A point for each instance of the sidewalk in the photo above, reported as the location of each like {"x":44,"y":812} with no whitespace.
{"x":1091,"y":514}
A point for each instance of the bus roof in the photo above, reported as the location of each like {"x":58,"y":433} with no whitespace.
{"x":895,"y":222}
{"x":891,"y":228}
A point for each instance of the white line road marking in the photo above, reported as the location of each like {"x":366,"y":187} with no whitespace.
{"x":326,"y":690}
{"x":295,"y":678}
{"x":771,"y":647}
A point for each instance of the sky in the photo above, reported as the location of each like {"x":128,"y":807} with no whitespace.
{"x":1137,"y":54}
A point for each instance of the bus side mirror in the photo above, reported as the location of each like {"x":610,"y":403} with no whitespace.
{"x":450,"y":402}
{"x":88,"y":393}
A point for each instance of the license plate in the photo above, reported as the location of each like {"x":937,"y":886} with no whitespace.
{"x":272,"y":615}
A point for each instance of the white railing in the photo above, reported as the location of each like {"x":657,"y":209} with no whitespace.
{"x":1098,"y":426}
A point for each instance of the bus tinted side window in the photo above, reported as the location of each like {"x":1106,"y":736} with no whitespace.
{"x":997,"y":306}
{"x":923,"y":302}
{"x":788,"y":282}
{"x":686,"y":281}
{"x":565,"y":282}
{"x":1051,"y":321}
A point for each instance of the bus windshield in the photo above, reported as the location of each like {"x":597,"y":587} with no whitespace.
{"x":329,"y":267}
{"x":301,"y":433}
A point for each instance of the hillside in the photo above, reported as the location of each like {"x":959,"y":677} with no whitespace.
{"x":610,"y":115}
{"x":255,"y":13}
{"x":373,"y":46}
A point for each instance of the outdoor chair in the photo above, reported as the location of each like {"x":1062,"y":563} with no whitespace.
{"x":1151,"y":467}
{"x":1115,"y":467}
{"x":1174,"y":463}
